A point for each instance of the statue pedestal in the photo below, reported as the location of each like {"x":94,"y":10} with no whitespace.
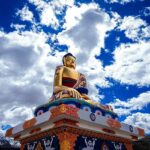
{"x":70,"y":128}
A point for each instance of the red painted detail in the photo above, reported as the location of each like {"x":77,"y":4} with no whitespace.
{"x":108,"y":131}
{"x":141,"y":131}
{"x":29,"y":123}
{"x":134,"y":137}
{"x":64,"y":109}
{"x":17,"y":137}
{"x":69,"y":82}
{"x":113,"y":123}
{"x":66,"y":121}
{"x":35,"y":130}
{"x":9,"y":132}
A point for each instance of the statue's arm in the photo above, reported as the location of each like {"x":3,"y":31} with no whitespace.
{"x":81,"y":81}
{"x":58,"y":79}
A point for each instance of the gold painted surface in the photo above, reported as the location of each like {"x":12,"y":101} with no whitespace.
{"x":58,"y":76}
{"x":70,"y":73}
{"x":68,"y":70}
{"x":65,"y":145}
{"x":63,"y":109}
{"x":70,"y":62}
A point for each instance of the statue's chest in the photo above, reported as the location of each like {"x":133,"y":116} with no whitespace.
{"x":70,"y":73}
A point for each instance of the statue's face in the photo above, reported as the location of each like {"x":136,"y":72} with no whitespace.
{"x":70,"y":62}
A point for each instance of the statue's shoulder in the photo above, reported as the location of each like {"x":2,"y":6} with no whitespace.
{"x":59,"y":68}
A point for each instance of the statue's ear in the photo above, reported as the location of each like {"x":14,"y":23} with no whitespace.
{"x":64,"y":61}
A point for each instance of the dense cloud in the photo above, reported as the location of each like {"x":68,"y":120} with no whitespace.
{"x":122,"y":2}
{"x":137,"y":31}
{"x":87,"y":34}
{"x":132,"y":104}
{"x":22,"y":72}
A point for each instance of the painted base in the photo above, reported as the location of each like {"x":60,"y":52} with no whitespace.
{"x":69,"y":138}
{"x":66,"y":127}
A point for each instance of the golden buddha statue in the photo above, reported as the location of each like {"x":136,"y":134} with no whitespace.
{"x":69,"y":83}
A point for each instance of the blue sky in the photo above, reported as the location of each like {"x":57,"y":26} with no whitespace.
{"x":110,"y":38}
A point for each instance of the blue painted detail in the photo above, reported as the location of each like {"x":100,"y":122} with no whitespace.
{"x":86,"y":108}
{"x":6,"y":127}
{"x":108,"y":115}
{"x":91,"y":143}
{"x":92,"y":117}
{"x":41,"y":109}
{"x":99,"y":112}
{"x":131,"y":128}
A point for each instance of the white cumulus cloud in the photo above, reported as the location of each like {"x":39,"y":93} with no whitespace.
{"x":132,"y":104}
{"x":131,"y":109}
{"x":131,"y":64}
{"x":137,"y":30}
{"x":121,"y":1}
{"x":25,"y":14}
{"x":26,"y":70}
{"x":48,"y":16}
{"x":16,"y":115}
{"x":48,"y":11}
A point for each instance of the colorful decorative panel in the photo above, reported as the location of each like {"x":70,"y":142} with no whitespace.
{"x":45,"y":143}
{"x":99,"y":110}
{"x":88,"y":143}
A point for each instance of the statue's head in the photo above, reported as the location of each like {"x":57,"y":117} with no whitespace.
{"x":69,"y":60}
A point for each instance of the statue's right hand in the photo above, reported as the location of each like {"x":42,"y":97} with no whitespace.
{"x":74,"y":93}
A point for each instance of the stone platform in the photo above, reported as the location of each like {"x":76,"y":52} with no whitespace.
{"x":67,"y":127}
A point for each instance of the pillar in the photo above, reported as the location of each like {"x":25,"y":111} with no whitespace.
{"x":67,"y":140}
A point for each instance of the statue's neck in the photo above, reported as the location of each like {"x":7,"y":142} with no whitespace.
{"x":70,"y":68}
